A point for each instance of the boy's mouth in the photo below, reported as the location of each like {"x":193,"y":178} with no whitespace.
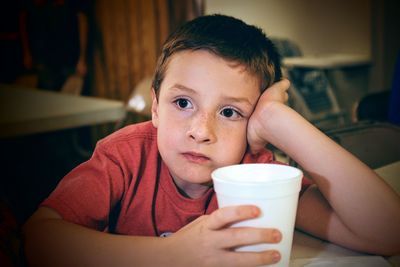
{"x":195,"y":157}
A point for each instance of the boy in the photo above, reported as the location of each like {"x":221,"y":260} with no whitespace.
{"x":153,"y":179}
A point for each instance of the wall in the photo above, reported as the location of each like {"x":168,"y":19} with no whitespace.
{"x":328,"y":26}
{"x":318,"y":27}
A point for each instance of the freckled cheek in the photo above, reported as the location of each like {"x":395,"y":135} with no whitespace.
{"x":171,"y":135}
{"x":171,"y":132}
{"x":233,"y":142}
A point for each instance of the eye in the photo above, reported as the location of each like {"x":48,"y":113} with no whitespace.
{"x":230,"y":113}
{"x":183,"y":103}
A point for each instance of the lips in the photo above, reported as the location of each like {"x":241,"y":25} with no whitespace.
{"x":196,"y":157}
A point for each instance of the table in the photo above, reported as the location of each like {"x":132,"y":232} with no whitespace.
{"x":391,"y":174}
{"x":334,"y":61}
{"x":307,"y":248}
{"x":26,"y":111}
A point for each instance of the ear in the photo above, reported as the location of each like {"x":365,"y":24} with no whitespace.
{"x":154,"y":108}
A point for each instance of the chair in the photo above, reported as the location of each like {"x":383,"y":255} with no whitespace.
{"x":394,"y":101}
{"x":375,"y":143}
{"x":381,"y":106}
{"x":372,"y":107}
{"x":310,"y":93}
{"x":138,"y":104}
{"x":73,"y":85}
{"x":140,"y":99}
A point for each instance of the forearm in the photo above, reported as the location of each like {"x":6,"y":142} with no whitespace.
{"x":315,"y":216}
{"x":354,"y":192}
{"x":55,"y":242}
{"x":51,"y":241}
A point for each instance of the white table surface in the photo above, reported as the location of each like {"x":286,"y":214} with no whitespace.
{"x":27,"y":111}
{"x":330,"y":61}
{"x":307,"y":249}
{"x":391,"y":174}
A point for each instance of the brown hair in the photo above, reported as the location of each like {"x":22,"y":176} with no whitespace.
{"x":229,"y":38}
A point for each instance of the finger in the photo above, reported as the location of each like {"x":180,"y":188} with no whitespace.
{"x":232,"y":214}
{"x":283,"y":84}
{"x":286,"y":97}
{"x":238,"y":259}
{"x":276,"y":92}
{"x":242,"y":236}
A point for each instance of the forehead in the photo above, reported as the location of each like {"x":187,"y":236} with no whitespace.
{"x":203,"y":68}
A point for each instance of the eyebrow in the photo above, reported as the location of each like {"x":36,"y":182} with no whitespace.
{"x":184,"y":88}
{"x":228,"y":98}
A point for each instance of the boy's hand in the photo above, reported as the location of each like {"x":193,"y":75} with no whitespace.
{"x":208,"y":241}
{"x":276,"y":93}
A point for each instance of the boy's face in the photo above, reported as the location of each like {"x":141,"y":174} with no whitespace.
{"x":201,"y":114}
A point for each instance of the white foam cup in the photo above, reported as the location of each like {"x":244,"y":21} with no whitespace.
{"x":274,"y":188}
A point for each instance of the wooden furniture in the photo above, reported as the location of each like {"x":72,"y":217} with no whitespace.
{"x":29,"y":111}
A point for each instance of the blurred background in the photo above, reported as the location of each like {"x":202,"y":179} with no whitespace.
{"x":100,"y":55}
{"x":113,"y":46}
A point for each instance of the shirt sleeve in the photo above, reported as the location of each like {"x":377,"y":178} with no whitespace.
{"x":87,"y":195}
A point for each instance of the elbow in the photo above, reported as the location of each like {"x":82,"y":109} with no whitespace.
{"x":35,"y":235}
{"x":30,"y":234}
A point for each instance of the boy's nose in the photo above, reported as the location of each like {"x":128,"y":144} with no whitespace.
{"x":202,"y":129}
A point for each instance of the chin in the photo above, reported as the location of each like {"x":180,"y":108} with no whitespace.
{"x":195,"y":176}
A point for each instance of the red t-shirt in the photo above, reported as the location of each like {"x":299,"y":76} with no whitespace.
{"x":126,"y":188}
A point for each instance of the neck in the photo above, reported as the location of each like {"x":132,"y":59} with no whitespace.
{"x":192,"y":191}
